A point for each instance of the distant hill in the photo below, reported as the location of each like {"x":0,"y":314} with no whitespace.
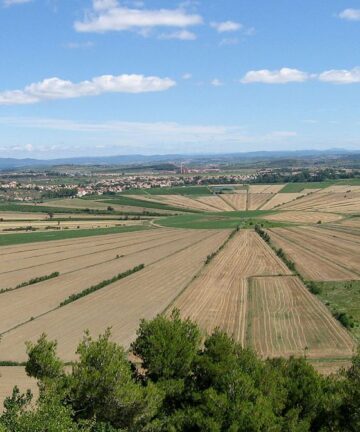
{"x":12,"y":163}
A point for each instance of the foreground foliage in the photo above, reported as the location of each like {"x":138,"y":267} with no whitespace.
{"x":179,"y":384}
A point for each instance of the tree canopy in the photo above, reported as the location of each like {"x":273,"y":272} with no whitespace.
{"x":178,"y":381}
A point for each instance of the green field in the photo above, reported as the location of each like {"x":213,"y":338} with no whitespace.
{"x":343,"y":296}
{"x":14,"y":239}
{"x":220,"y":220}
{"x":298,"y":187}
{"x":28,"y":208}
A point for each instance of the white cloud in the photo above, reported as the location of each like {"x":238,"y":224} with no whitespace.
{"x":341,"y":76}
{"x":226,"y":26}
{"x":350,"y":14}
{"x":100,"y":5}
{"x":15,"y":2}
{"x":186,"y":76}
{"x":184,"y":35}
{"x":281,"y":76}
{"x":108,"y":15}
{"x":56,"y":88}
{"x":216,"y":82}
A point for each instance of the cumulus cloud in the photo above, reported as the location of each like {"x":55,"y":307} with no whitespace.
{"x":226,"y":26}
{"x":280,"y":76}
{"x":15,"y":2}
{"x":350,"y":14}
{"x":56,"y":88}
{"x":216,"y":82}
{"x":341,"y":76}
{"x":109,"y":15}
{"x":184,"y":35}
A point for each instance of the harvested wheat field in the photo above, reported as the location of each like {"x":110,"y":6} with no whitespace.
{"x":78,"y":203}
{"x":237,"y":201}
{"x":269,"y":189}
{"x":218,"y":296}
{"x":216,"y":202}
{"x":352,"y":223}
{"x":285,"y":319}
{"x":181,"y":201}
{"x":342,"y":188}
{"x":14,"y":216}
{"x":119,"y":305}
{"x":257,"y":200}
{"x":45,"y":261}
{"x":319,"y":255}
{"x":348,"y":202}
{"x":304,"y":217}
{"x":20,"y":305}
{"x":15,"y":375}
{"x":279,"y":199}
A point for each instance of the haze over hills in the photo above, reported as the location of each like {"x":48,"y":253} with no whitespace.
{"x":11,"y":163}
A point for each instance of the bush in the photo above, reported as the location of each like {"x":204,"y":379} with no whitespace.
{"x":100,"y":285}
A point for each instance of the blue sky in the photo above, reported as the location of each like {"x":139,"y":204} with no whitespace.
{"x":103,"y":77}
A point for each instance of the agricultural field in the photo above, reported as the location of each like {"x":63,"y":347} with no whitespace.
{"x":119,"y":305}
{"x":78,"y":203}
{"x":285,"y":319}
{"x":238,"y":201}
{"x":11,"y":375}
{"x":62,"y":282}
{"x":257,"y":200}
{"x":266,"y":189}
{"x":339,"y":202}
{"x":249,"y":292}
{"x":320,"y":254}
{"x":308,"y":217}
{"x":67,"y":224}
{"x":281,"y":198}
{"x":218,"y":296}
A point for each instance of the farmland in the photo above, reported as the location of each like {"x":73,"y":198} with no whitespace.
{"x":285,"y":319}
{"x":251,"y":294}
{"x":244,"y":287}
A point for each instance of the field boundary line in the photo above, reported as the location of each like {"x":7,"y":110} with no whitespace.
{"x":284,"y":237}
{"x":227,"y":202}
{"x":271,"y":197}
{"x":150,"y":265}
{"x":92,"y":253}
{"x":118,"y":277}
{"x":197,"y":274}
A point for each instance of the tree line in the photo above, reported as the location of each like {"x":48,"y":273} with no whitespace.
{"x":179,"y":381}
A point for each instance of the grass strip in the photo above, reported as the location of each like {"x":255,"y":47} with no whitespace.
{"x":135,"y":202}
{"x":101,"y":285}
{"x":211,"y":256}
{"x":31,"y":282}
{"x":14,"y":239}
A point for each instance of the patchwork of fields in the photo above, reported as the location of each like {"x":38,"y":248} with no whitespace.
{"x":245,"y":288}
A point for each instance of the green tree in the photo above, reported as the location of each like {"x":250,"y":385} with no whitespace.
{"x":43,"y":362}
{"x":167,"y":347}
{"x":101,"y":386}
{"x":48,"y":415}
{"x":350,"y":409}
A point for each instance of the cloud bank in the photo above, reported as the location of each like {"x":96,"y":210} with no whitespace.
{"x":56,"y":88}
{"x":108,"y":15}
